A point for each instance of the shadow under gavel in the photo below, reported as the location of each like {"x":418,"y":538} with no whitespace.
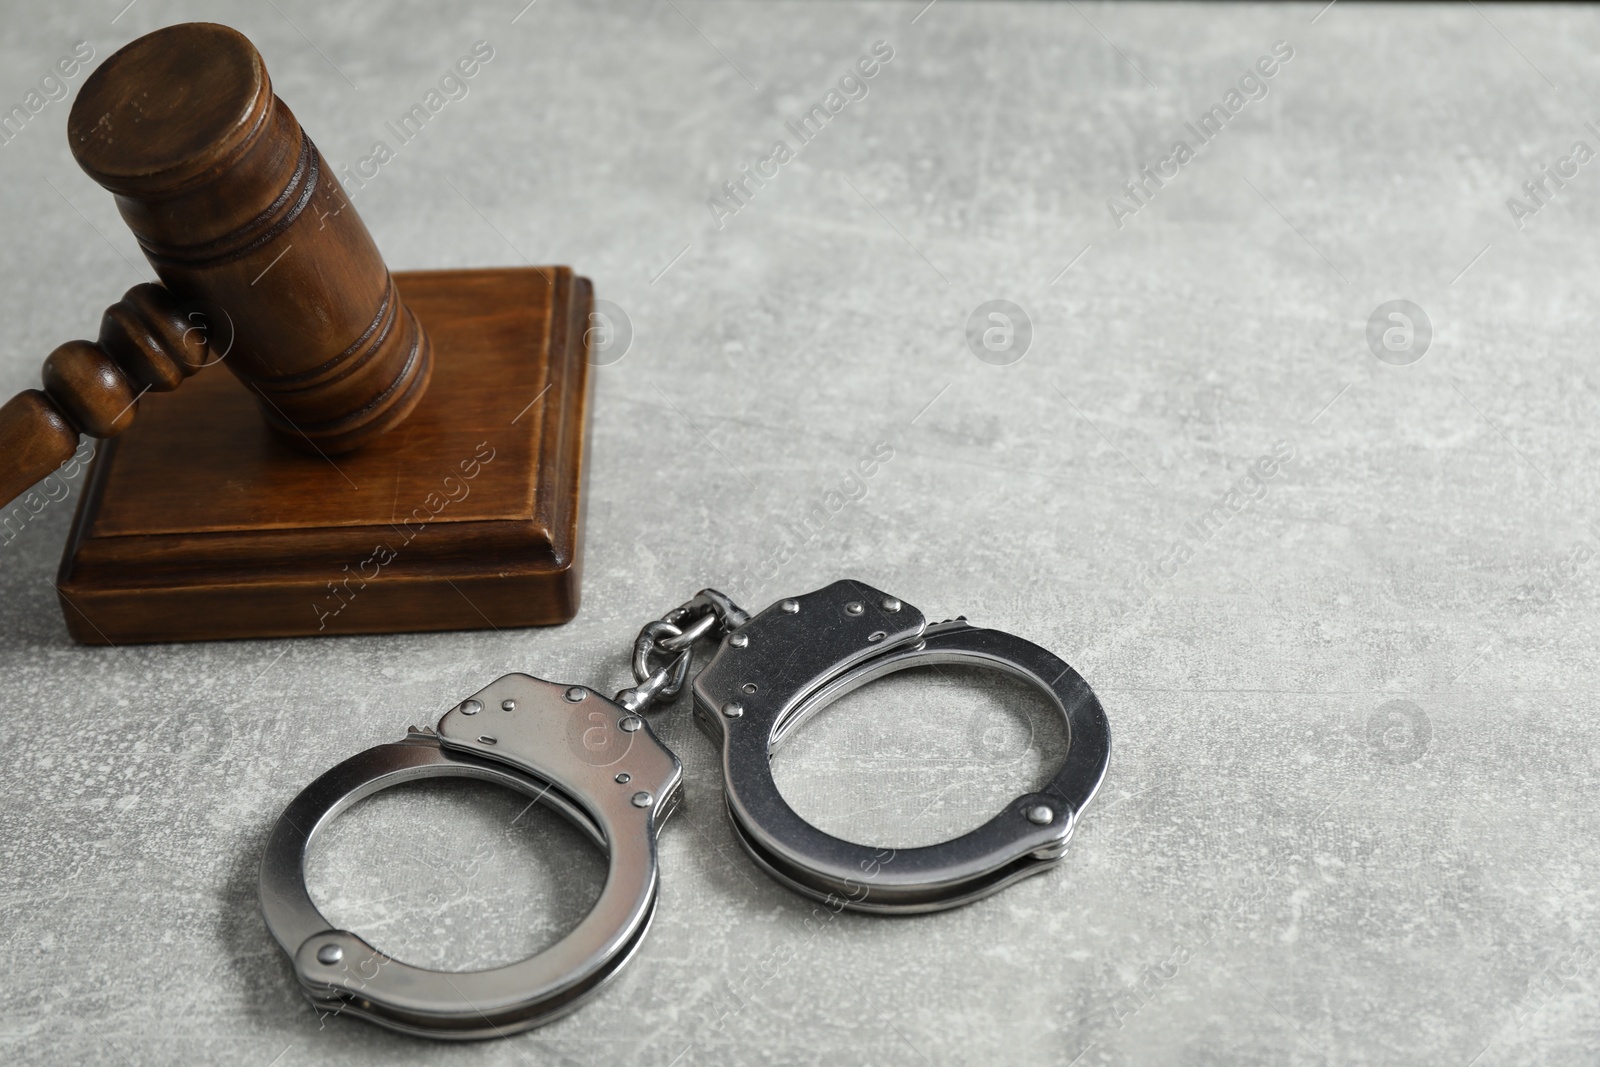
{"x":251,"y":235}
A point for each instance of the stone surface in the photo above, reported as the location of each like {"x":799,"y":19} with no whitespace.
{"x":1349,"y":817}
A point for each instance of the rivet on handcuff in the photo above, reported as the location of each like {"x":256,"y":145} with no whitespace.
{"x":598,"y":763}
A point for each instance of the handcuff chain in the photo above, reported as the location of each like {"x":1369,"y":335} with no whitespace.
{"x":709,"y":613}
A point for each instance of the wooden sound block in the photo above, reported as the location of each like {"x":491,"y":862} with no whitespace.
{"x":198,"y":523}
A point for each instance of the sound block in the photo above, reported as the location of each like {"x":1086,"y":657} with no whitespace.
{"x":197,"y":524}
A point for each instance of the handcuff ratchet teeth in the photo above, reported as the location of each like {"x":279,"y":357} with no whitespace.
{"x":597,"y":762}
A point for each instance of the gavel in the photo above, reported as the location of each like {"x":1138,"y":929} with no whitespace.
{"x":254,"y":242}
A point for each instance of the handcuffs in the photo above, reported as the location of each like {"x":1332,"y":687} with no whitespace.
{"x":598,"y":763}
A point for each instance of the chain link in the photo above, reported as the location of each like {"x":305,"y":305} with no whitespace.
{"x":664,"y":650}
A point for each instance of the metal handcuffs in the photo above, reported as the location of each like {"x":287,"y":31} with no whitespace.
{"x":598,"y":763}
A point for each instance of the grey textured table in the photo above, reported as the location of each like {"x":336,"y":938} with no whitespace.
{"x":1349,"y":817}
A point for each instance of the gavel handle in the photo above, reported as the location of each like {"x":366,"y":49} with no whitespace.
{"x":35,"y":439}
{"x":148,"y":340}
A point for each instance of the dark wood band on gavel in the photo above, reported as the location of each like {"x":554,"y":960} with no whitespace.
{"x":236,"y":211}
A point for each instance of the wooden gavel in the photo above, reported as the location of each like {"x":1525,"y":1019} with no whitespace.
{"x":242,"y":221}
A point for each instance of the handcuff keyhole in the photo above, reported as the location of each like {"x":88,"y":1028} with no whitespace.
{"x":748,"y":687}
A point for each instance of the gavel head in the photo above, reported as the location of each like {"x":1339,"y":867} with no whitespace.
{"x":236,"y":211}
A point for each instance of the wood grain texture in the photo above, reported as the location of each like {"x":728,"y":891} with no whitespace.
{"x":199,"y":523}
{"x":236,"y":211}
{"x":147,"y":341}
{"x":253,"y":239}
{"x":89,"y":388}
{"x":35,"y":439}
{"x":156,"y":342}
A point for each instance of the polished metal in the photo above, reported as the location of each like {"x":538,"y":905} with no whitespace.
{"x":843,"y":637}
{"x":690,"y":634}
{"x":542,"y":750}
{"x":770,"y":673}
{"x":672,"y":637}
